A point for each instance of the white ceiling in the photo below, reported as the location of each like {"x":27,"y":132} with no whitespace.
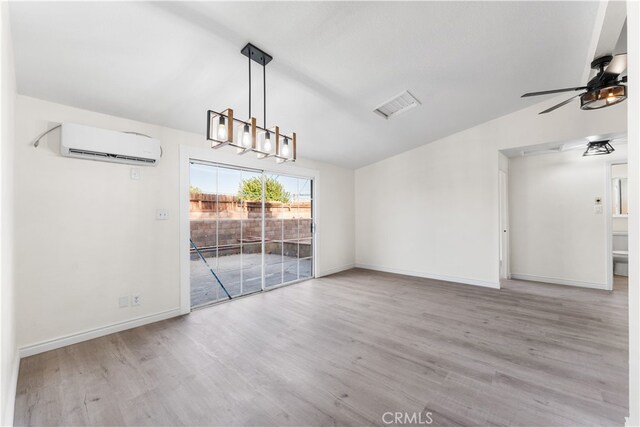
{"x":167,"y":63}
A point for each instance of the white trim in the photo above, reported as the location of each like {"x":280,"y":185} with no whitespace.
{"x":558,"y":281}
{"x":609,"y":233}
{"x":608,"y":224}
{"x":183,"y":246}
{"x":10,"y":398}
{"x":335,"y":270}
{"x":463,"y":280}
{"x":504,"y":249}
{"x":90,"y":334}
{"x":633,"y":177}
{"x":315,"y":209}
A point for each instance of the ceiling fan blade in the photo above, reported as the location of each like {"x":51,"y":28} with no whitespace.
{"x":624,"y":79}
{"x":548,"y":110}
{"x":547,"y":92}
{"x":617,"y":65}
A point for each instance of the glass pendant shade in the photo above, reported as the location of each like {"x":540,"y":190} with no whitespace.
{"x":220,"y":127}
{"x":246,"y":136}
{"x":267,"y":142}
{"x":596,"y":148}
{"x":600,"y":98}
{"x":286,"y":151}
{"x":266,"y":145}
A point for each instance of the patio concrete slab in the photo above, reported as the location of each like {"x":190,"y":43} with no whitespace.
{"x":241,"y":274}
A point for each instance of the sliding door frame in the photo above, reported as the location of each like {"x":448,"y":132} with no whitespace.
{"x":229,"y":159}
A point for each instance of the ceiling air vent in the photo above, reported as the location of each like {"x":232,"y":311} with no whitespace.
{"x":396,"y":105}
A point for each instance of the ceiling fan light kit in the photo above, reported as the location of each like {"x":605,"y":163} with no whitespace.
{"x":245,"y":135}
{"x":600,"y":98}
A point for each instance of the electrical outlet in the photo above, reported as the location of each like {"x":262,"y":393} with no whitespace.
{"x":135,"y":300}
{"x":123,"y":302}
{"x":162,"y":214}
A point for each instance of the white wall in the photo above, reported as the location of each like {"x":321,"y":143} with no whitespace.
{"x":555,"y":234}
{"x":86,"y":233}
{"x":433,"y":211}
{"x":8,"y":353}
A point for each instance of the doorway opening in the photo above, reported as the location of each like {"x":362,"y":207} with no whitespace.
{"x":563,"y":210}
{"x":250,"y":230}
{"x":618,"y":256}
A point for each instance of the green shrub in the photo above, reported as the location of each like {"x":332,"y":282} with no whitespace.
{"x":251,"y":190}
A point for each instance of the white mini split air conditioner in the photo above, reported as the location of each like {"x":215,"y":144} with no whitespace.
{"x":85,"y":142}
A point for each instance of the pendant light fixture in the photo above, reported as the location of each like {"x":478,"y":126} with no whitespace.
{"x":248,"y":136}
{"x":596,"y":148}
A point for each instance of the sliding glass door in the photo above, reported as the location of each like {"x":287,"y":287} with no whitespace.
{"x":288,"y":231}
{"x":250,"y":230}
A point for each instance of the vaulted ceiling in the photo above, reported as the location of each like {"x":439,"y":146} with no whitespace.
{"x":334,"y":62}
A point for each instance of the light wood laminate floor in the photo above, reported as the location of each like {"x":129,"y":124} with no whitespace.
{"x":345,"y":349}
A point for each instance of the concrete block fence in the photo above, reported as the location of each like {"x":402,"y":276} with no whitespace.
{"x":229,"y":225}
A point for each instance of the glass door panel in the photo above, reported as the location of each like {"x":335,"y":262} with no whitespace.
{"x":290,"y":231}
{"x":203,"y":215}
{"x":250,"y":194}
{"x":305,"y":228}
{"x":291,"y":217}
{"x":275,"y":208}
{"x":273,"y":245}
{"x":231,"y":213}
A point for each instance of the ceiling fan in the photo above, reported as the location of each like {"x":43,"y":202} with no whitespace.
{"x":603,"y":90}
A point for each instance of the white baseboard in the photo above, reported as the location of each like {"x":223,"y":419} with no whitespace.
{"x":557,"y":281}
{"x":55,"y":343}
{"x":10,"y":398}
{"x":335,"y":270}
{"x":464,"y":280}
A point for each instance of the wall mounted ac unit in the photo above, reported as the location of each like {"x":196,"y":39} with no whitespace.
{"x":85,"y":142}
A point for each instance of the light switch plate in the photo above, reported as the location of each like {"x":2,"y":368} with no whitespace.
{"x":123,"y":302}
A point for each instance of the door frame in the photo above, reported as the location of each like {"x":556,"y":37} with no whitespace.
{"x":230,"y":159}
{"x":504,"y":262}
{"x":608,"y":228}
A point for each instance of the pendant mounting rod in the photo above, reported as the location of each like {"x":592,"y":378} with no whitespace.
{"x":263,"y":58}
